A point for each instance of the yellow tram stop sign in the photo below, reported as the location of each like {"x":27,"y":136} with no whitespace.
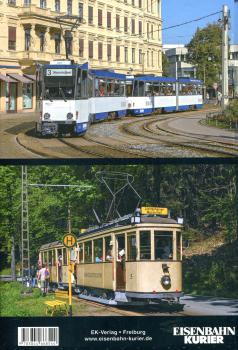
{"x":69,"y":240}
{"x":154,"y":211}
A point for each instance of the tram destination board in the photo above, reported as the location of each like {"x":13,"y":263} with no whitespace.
{"x":154,"y":211}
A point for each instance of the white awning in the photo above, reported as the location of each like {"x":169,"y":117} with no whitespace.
{"x":21,"y":78}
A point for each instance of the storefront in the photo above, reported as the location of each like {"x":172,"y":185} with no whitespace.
{"x":17,"y":92}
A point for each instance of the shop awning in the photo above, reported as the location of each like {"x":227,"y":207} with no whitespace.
{"x":21,"y":78}
{"x":6,"y":78}
{"x":30,"y":76}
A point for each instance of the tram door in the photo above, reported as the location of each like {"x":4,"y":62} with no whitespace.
{"x":120,"y":262}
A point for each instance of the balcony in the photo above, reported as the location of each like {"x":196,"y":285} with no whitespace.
{"x":28,"y":11}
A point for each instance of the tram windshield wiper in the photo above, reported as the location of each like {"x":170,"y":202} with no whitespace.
{"x":47,"y":94}
{"x":62,"y":94}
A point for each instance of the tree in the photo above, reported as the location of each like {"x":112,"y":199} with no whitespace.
{"x":165,"y":65}
{"x":204,"y":51}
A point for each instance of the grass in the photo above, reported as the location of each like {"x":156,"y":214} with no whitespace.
{"x":14,"y":304}
{"x":6,"y":271}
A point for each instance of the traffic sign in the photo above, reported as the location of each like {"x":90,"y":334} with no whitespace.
{"x":69,"y":240}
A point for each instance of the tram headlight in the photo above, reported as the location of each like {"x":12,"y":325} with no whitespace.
{"x":166,"y":281}
{"x":47,"y":116}
{"x":70,"y":115}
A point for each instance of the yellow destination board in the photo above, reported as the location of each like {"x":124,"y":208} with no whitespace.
{"x":154,"y":211}
{"x":69,"y":240}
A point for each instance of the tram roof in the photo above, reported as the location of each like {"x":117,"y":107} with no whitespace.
{"x":156,"y":79}
{"x":125,"y":221}
{"x":189,"y":81}
{"x":107,"y":74}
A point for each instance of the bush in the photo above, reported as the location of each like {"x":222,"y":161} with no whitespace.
{"x":231,"y":112}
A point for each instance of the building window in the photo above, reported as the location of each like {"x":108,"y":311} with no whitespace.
{"x":69,"y":7}
{"x":140,"y":4}
{"x":125,"y":24}
{"x":117,"y":22}
{"x":109,"y":20}
{"x":100,"y":51}
{"x":81,"y":47}
{"x":80,"y":8}
{"x":152,"y":31}
{"x":133,"y":2}
{"x":57,"y":43}
{"x":42,"y":41}
{"x":43,"y":4}
{"x":133,"y":55}
{"x":140,"y":56}
{"x":90,"y":14}
{"x":148,"y":31}
{"x":69,"y":42}
{"x":12,"y":2}
{"x":133,"y":26}
{"x":99,"y":17}
{"x":27,"y":2}
{"x":90,"y":49}
{"x":11,"y":38}
{"x":109,"y":52}
{"x":126,"y":55}
{"x":27,"y":96}
{"x":140,"y":28}
{"x":57,"y":5}
{"x":118,"y":53}
{"x":27,"y":39}
{"x":152,"y":58}
{"x":148,"y":58}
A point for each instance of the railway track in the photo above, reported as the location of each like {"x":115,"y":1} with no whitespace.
{"x":146,"y":129}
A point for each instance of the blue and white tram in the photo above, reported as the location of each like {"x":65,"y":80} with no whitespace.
{"x":107,"y":96}
{"x":151,"y":93}
{"x":62,"y":98}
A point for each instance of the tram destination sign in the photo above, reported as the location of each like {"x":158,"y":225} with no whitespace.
{"x":59,"y":72}
{"x":69,"y":240}
{"x":154,"y":211}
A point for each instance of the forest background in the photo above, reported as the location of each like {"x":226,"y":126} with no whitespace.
{"x":205,"y":195}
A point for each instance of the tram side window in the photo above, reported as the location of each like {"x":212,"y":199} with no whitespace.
{"x":45,"y":258}
{"x":131,"y":247}
{"x":141,"y":88}
{"x":84,"y":89}
{"x":53,"y":258}
{"x":64,"y":256}
{"x":148,"y":89}
{"x":88,"y":252}
{"x":178,"y":245}
{"x":199,"y":89}
{"x":129,"y":89}
{"x":108,"y":249}
{"x":90,"y":86}
{"x":100,"y":87}
{"x":163,"y":245}
{"x":50,"y":258}
{"x":145,"y":245}
{"x":156,"y":89}
{"x":80,"y":248}
{"x":60,"y":261}
{"x":122,"y":88}
{"x":98,"y":250}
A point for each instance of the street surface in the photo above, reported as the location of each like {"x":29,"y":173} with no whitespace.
{"x":183,"y":134}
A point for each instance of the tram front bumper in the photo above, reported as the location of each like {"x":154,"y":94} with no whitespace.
{"x":162,"y":295}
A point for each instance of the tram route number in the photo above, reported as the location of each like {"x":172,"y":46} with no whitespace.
{"x":69,"y":240}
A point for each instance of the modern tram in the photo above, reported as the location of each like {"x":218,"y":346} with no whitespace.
{"x":136,"y":259}
{"x":71,"y":96}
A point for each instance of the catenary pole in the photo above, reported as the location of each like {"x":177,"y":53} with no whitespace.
{"x":225,"y":27}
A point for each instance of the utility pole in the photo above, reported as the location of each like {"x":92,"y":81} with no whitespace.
{"x":225,"y":27}
{"x":25,"y":252}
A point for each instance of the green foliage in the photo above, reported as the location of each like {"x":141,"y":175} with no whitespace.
{"x":231,"y":112}
{"x":204,"y":51}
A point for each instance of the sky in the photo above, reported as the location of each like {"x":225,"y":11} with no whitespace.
{"x":179,"y":11}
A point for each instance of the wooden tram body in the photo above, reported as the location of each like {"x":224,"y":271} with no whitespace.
{"x":149,"y":271}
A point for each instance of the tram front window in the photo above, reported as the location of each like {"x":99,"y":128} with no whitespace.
{"x":145,"y":245}
{"x":59,"y":88}
{"x":163,"y":245}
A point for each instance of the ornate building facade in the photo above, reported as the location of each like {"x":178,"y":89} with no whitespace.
{"x":122,"y":35}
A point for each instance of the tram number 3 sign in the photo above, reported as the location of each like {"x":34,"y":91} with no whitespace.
{"x":69,"y":240}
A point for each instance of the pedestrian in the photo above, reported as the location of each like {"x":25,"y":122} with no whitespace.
{"x":207,"y":97}
{"x":47,"y":279}
{"x":33,"y":276}
{"x":41,"y":279}
{"x":219,"y":98}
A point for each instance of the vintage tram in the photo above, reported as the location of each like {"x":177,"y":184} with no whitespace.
{"x":136,"y":259}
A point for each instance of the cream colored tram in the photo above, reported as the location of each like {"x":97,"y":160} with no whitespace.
{"x":134,"y":260}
